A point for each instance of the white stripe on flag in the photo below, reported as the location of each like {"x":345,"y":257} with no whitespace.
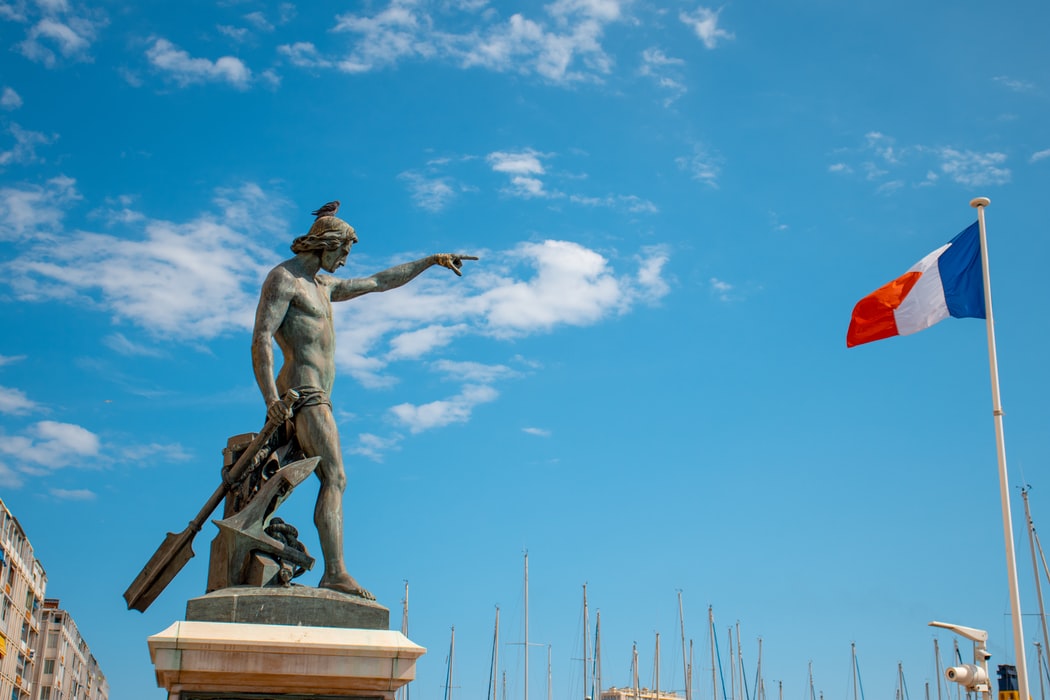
{"x":924,"y":305}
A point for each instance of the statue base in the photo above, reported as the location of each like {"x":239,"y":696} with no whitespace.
{"x":206,"y":660}
{"x":292,"y":605}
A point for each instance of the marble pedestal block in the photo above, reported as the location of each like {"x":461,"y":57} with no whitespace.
{"x":229,"y":660}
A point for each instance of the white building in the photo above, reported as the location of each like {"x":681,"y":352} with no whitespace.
{"x":22,"y":585}
{"x":66,"y":668}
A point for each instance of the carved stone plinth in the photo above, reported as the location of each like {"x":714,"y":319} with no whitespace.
{"x":206,"y":660}
{"x":294,"y":605}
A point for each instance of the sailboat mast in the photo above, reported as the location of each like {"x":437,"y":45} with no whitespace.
{"x":494,"y":670}
{"x":689,"y":673}
{"x":586,"y":631}
{"x":402,"y":693}
{"x":937,"y":662}
{"x":451,"y":657}
{"x":634,"y":669}
{"x":732,"y":668}
{"x":1039,"y":660}
{"x":656,"y":662}
{"x":811,"y":695}
{"x":853,"y":666}
{"x":1035,"y":570}
{"x":714,"y":666}
{"x":549,"y":697}
{"x":685,"y":659}
{"x":598,"y":656}
{"x":526,"y":624}
{"x":759,"y":689}
{"x":740,"y":663}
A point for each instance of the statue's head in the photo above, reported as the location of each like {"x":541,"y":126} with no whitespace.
{"x":330,"y":238}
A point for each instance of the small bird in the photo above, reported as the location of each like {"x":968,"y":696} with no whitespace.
{"x":327,"y":210}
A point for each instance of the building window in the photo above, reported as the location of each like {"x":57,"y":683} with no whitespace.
{"x":52,"y":640}
{"x":49,"y":667}
{"x":45,"y":693}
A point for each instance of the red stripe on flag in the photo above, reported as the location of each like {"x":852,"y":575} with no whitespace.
{"x":873,"y":315}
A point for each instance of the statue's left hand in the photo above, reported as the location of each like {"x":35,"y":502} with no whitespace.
{"x":452,"y":261}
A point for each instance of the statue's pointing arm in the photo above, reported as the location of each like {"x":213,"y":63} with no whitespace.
{"x":396,"y":276}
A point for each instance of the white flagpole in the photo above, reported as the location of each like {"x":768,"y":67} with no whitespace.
{"x":1004,"y":487}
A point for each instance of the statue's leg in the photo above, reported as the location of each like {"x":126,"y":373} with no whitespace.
{"x":319,"y":437}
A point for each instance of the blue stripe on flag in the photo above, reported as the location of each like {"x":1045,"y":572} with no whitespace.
{"x":961,"y":277}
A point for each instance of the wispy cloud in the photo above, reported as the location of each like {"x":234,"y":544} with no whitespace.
{"x":664,"y":71}
{"x":29,"y":211}
{"x":1039,"y":155}
{"x":58,"y":32}
{"x":892,"y":167}
{"x":538,"y":432}
{"x":1015,"y":84}
{"x":563,"y":46}
{"x":702,"y":165}
{"x":183,"y":69}
{"x":23,"y":152}
{"x":73,"y":494}
{"x":438,"y":414}
{"x":15,"y":402}
{"x":9,"y":99}
{"x":190,"y":280}
{"x":705,"y":24}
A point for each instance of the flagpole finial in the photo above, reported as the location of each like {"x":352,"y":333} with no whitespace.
{"x":980,"y":202}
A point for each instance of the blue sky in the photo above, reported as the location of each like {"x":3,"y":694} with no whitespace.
{"x":643,"y":381}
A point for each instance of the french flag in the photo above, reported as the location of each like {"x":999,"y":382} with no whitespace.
{"x":947,"y":282}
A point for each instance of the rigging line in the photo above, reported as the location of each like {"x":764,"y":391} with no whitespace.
{"x":860,"y":683}
{"x":721,"y":675}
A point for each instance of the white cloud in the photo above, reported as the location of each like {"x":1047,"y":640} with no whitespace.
{"x":1014,"y":84}
{"x":419,"y":342}
{"x":704,"y":22}
{"x":474,"y":372}
{"x":1039,"y":155}
{"x":433,"y":193}
{"x":894,"y":167}
{"x":702,"y":165}
{"x":304,"y":55}
{"x":10,"y":359}
{"x":186,"y":70}
{"x":438,"y":414}
{"x":27,"y":211}
{"x":70,"y":35}
{"x":73,"y":494}
{"x":662,"y":69}
{"x":373,"y":446}
{"x":565,"y":48}
{"x":572,"y":285}
{"x":49,"y":445}
{"x":9,"y":99}
{"x":974,"y":169}
{"x":194,"y":280}
{"x":522,"y":167}
{"x":14,"y":402}
{"x":23,"y":152}
{"x":538,"y":432}
{"x":118,"y":342}
{"x":722,"y":290}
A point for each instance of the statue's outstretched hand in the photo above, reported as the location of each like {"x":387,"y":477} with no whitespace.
{"x":452,"y":261}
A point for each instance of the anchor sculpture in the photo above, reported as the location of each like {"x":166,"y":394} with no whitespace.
{"x":253,"y":547}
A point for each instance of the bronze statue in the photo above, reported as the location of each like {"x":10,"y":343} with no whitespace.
{"x":295,"y":309}
{"x":253,"y":547}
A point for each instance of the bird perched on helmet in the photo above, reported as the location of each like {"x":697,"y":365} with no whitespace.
{"x":327,"y":210}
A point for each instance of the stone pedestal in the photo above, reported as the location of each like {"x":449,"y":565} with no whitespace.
{"x":292,"y":605}
{"x":197,"y":660}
